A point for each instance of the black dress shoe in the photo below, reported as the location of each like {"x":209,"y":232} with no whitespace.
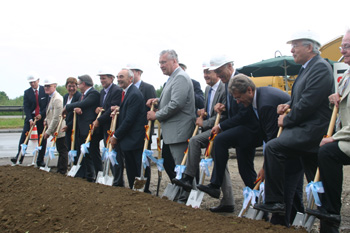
{"x":14,"y":160}
{"x":41,"y":164}
{"x":210,"y":189}
{"x":322,"y":214}
{"x":278,"y":208}
{"x":184,"y":183}
{"x":222,"y":209}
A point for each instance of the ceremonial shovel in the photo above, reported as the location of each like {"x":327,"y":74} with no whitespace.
{"x":73,"y":153}
{"x":196,"y":196}
{"x":106,"y":177}
{"x":171,"y":189}
{"x":306,"y":220}
{"x":140,"y":182}
{"x":73,"y":171}
{"x":50,"y":150}
{"x":24,"y":145}
{"x":35,"y":157}
{"x":159,"y":149}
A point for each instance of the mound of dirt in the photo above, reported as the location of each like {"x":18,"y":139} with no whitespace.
{"x":36,"y":201}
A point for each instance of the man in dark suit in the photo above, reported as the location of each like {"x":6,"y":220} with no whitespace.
{"x":148,"y":92}
{"x":198,"y":93}
{"x":129,"y":137}
{"x":110,"y":95}
{"x":306,"y":123}
{"x":240,"y":130}
{"x":34,"y":103}
{"x":71,"y":97}
{"x":85,"y":110}
{"x":264,"y":101}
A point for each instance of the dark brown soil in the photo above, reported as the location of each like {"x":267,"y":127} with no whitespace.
{"x":32,"y":200}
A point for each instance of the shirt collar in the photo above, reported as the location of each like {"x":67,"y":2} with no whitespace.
{"x":126,"y":89}
{"x":138,"y":84}
{"x":216,"y":85}
{"x":254,"y":100}
{"x":107,"y":89}
{"x":87,"y":91}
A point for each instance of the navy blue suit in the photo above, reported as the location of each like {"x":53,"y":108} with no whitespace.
{"x":131,"y":131}
{"x":29,"y":105}
{"x":198,"y":95}
{"x":241,"y":131}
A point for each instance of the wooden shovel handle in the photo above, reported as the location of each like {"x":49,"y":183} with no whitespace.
{"x":57,"y":130}
{"x":281,"y":128}
{"x":30,"y":132}
{"x":88,"y":138}
{"x":73,"y":130}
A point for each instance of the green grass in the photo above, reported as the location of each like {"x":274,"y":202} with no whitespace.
{"x":11,"y":123}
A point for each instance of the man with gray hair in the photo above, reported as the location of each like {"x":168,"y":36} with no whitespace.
{"x":130,"y":133}
{"x":305,"y":124}
{"x":85,"y":110}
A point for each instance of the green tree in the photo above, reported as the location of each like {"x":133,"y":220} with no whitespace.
{"x":62,"y":90}
{"x":159,"y":91}
{"x":3,"y":98}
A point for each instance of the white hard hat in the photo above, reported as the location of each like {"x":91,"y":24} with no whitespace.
{"x":49,"y":80}
{"x":134,"y":66}
{"x":205,"y":65}
{"x":218,"y":61}
{"x":106,"y":71}
{"x":32,"y":77}
{"x":305,"y":34}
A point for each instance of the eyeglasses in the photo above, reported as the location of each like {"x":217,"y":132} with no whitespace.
{"x":47,"y":86}
{"x":162,"y":62}
{"x":344,"y":47}
{"x":220,"y":70}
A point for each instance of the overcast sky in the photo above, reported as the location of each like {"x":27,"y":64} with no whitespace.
{"x":74,"y":37}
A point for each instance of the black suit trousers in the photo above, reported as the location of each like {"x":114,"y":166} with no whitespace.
{"x":133,"y":159}
{"x":26,"y":128}
{"x":331,"y":160}
{"x":244,"y":140}
{"x":275,"y":164}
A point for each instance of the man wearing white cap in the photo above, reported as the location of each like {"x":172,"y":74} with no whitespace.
{"x":34,"y":104}
{"x":305,"y":125}
{"x":53,"y":112}
{"x":110,"y":95}
{"x":240,"y":130}
{"x":148,"y":92}
{"x":214,"y":93}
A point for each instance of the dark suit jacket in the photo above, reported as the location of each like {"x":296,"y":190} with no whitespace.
{"x":147,"y":91}
{"x":267,"y":100}
{"x":131,"y":121}
{"x":113,"y":98}
{"x":88,"y":105}
{"x":309,"y":117}
{"x":29,"y":102}
{"x":239,"y":115}
{"x":69,"y":117}
{"x":198,"y":95}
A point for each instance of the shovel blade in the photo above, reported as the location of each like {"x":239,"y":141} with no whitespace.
{"x":195,"y":198}
{"x":32,"y":164}
{"x":73,"y":171}
{"x":170,"y":192}
{"x":251,"y":213}
{"x":139,"y":183}
{"x":47,"y":169}
{"x":100,"y":178}
{"x":309,"y":223}
{"x":298,"y":220}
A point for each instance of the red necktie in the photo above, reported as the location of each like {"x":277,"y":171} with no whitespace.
{"x":37,"y":109}
{"x":82,"y":97}
{"x":123,"y":94}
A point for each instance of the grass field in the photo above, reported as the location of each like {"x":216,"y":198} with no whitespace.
{"x":11,"y":123}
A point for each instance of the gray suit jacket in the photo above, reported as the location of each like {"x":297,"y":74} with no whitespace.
{"x":219,"y":97}
{"x":308,"y":120}
{"x":176,"y":108}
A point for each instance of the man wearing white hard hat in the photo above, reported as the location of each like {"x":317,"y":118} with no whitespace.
{"x":53,"y":112}
{"x":34,"y":104}
{"x":148,"y":91}
{"x":306,"y":123}
{"x":110,"y":95}
{"x":214,"y":93}
{"x":240,"y":130}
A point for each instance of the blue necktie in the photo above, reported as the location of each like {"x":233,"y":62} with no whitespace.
{"x":208,"y":104}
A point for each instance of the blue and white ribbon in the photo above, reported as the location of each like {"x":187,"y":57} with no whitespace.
{"x":315,"y":187}
{"x":249,"y":195}
{"x":36,"y":150}
{"x":71,"y":155}
{"x":112,"y":155}
{"x":84,"y":148}
{"x":160,"y":163}
{"x":149,"y":154}
{"x":145,"y":154}
{"x":205,"y":164}
{"x":104,"y":154}
{"x":179,"y":169}
{"x":50,"y":151}
{"x":262,"y":191}
{"x":24,"y":148}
